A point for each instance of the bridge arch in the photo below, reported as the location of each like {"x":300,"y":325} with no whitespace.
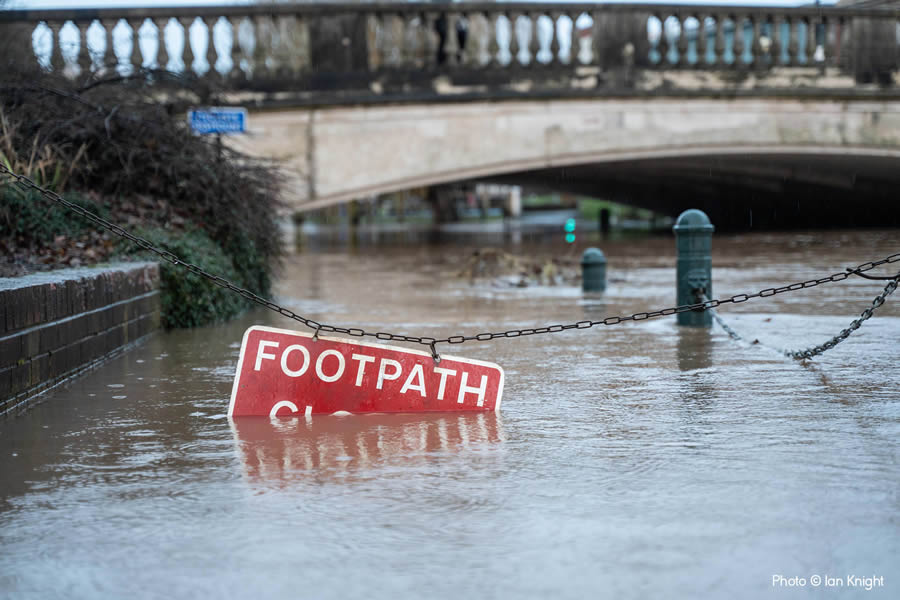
{"x":598,"y":146}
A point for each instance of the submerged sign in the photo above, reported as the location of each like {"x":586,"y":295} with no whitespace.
{"x":218,"y":120}
{"x":284,"y":373}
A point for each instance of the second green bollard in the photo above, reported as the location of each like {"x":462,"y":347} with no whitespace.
{"x":693,"y":239}
{"x":593,"y":270}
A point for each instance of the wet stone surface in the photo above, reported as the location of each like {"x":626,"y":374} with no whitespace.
{"x":630,"y":461}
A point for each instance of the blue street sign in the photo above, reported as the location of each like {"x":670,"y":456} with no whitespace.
{"x":218,"y":120}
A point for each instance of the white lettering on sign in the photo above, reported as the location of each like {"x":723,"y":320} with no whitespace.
{"x":361,"y":370}
{"x":382,"y":374}
{"x":337,"y":374}
{"x":283,"y":404}
{"x":467,"y":389}
{"x":286,"y":373}
{"x":261,"y":354}
{"x":443,"y":385}
{"x":418,"y":373}
{"x":284,"y":358}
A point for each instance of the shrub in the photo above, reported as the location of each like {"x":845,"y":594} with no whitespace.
{"x":126,"y":145}
{"x":28,"y":220}
{"x":189,"y":300}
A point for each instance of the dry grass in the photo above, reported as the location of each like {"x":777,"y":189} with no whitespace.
{"x":123,"y":142}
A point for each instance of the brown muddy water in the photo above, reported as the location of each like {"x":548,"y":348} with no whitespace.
{"x":632,"y":461}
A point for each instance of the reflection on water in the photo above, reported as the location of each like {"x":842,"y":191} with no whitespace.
{"x":283,"y":449}
{"x":694,"y":348}
{"x":639,"y":460}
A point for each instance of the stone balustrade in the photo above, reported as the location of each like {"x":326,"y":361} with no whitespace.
{"x":402,"y":49}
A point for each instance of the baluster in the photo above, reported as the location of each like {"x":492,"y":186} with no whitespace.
{"x":555,"y":46}
{"x":373,"y":40}
{"x":493,"y":44}
{"x":408,"y":50}
{"x":451,"y":44}
{"x":847,"y":42}
{"x":162,"y":48}
{"x":304,"y":54}
{"x":665,"y":44}
{"x":701,"y":41}
{"x":395,"y":39}
{"x":476,"y":44}
{"x":293,"y":43}
{"x":84,"y":53}
{"x":110,"y":60}
{"x":465,"y":44}
{"x":437,"y":26}
{"x":574,"y":46}
{"x":247,"y":43}
{"x":187,"y":50}
{"x":463,"y":36}
{"x":833,"y":30}
{"x":793,"y":42}
{"x":597,"y":36}
{"x":534,"y":43}
{"x":777,"y":41}
{"x":738,"y":41}
{"x":719,"y":45}
{"x":468,"y":49}
{"x":417,"y":43}
{"x":385,"y":42}
{"x":57,"y":60}
{"x":276,"y":60}
{"x":585,"y":48}
{"x":431,"y":44}
{"x":567,"y":58}
{"x":811,"y":26}
{"x":514,"y":47}
{"x":668,"y":45}
{"x":398,"y":35}
{"x":211,"y":52}
{"x":682,"y":43}
{"x":771,"y":54}
{"x":135,"y":58}
{"x":260,"y":68}
{"x":758,"y":53}
{"x":236,"y":73}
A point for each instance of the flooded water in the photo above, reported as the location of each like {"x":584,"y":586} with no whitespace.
{"x":631,"y":461}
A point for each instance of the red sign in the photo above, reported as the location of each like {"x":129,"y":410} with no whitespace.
{"x":285,"y":373}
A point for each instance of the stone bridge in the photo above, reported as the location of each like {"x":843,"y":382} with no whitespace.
{"x":779,"y":116}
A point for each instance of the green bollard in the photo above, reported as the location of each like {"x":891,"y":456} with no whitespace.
{"x":693,"y":239}
{"x":593,"y":270}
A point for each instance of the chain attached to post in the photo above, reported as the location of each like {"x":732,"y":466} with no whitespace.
{"x":26,"y":183}
{"x":840,"y":337}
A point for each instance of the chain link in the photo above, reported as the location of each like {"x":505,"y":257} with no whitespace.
{"x":26,"y":183}
{"x":817,"y":350}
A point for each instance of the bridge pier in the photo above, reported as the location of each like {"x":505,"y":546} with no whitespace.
{"x":874,"y":51}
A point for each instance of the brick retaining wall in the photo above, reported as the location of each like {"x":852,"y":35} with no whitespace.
{"x":57,"y":324}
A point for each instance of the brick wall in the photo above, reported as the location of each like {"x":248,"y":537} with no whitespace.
{"x":55,"y":325}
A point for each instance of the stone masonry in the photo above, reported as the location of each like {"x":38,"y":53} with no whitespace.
{"x":55,"y":325}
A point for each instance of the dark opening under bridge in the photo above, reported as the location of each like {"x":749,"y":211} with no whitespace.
{"x":788,"y":116}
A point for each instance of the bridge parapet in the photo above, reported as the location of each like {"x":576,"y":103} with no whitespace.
{"x":325,"y":53}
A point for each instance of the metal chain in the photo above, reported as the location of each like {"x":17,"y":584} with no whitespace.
{"x":26,"y":183}
{"x":817,"y":350}
{"x":845,"y":333}
{"x":725,"y":326}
